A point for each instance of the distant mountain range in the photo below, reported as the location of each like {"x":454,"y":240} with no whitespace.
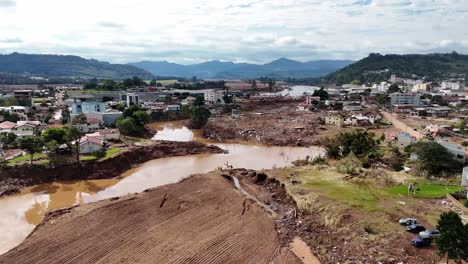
{"x":281,"y":69}
{"x":377,"y":67}
{"x":67,"y":66}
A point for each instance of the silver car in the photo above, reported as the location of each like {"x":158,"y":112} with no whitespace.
{"x":430,"y":233}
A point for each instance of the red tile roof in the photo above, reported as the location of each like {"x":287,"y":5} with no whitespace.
{"x":7,"y":125}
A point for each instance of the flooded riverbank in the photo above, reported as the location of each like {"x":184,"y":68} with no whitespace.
{"x":20,"y":213}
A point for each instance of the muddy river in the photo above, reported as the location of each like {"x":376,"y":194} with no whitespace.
{"x":20,"y":213}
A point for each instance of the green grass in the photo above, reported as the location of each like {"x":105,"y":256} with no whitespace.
{"x":111,"y":153}
{"x":87,"y":157}
{"x":133,"y":139}
{"x":357,"y":193}
{"x":26,"y":158}
{"x":425,"y":190}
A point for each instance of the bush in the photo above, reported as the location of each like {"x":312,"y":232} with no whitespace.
{"x":466,"y":203}
{"x":349,"y":165}
{"x":465,"y":143}
{"x":101,"y":153}
{"x":359,"y":141}
{"x":319,"y":160}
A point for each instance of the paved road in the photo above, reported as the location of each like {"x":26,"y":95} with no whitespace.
{"x":401,"y":125}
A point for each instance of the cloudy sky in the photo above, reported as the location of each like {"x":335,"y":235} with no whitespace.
{"x":188,"y":31}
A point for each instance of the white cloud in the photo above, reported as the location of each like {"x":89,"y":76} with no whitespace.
{"x":244,"y":30}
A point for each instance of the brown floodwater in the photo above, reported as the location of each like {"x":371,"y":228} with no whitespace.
{"x":20,"y":213}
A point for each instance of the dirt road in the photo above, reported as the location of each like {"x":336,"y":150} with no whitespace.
{"x":402,"y":125}
{"x":203,"y":219}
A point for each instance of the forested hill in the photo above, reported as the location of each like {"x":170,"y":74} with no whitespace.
{"x":377,"y":67}
{"x":67,"y":66}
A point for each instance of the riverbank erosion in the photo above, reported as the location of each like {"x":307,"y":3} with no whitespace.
{"x":238,"y":216}
{"x":202,"y":219}
{"x":15,"y":178}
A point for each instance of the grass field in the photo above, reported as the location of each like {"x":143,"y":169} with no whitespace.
{"x":39,"y":158}
{"x":110,"y":153}
{"x":425,"y":190}
{"x":357,"y":193}
{"x":166,"y":82}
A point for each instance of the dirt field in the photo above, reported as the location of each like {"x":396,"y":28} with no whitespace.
{"x":278,"y":124}
{"x":200,"y":220}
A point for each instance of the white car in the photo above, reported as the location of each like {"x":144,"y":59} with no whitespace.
{"x":430,"y":233}
{"x":408,"y":221}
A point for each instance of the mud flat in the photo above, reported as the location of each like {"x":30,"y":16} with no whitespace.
{"x":202,"y":219}
{"x":274,"y":124}
{"x":13,"y":179}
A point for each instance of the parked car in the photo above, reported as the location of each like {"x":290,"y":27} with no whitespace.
{"x":430,"y":233}
{"x":421,"y":242}
{"x":408,"y":221}
{"x":416,"y":228}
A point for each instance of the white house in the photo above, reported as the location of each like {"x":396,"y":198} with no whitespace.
{"x":7,"y":126}
{"x":91,"y":125}
{"x":90,"y":144}
{"x":214,"y":97}
{"x":26,"y":128}
{"x":109,"y":134}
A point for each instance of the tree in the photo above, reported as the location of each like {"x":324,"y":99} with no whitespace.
{"x":57,"y":134}
{"x":453,"y":240}
{"x":435,"y":158}
{"x":436,"y":99}
{"x":321,"y":93}
{"x":271,"y":84}
{"x":359,"y":141}
{"x":394,"y":88}
{"x":199,"y":101}
{"x":12,"y":117}
{"x":120,"y":107}
{"x":153,"y":83}
{"x":32,"y":145}
{"x":74,"y":135}
{"x":127,"y":126}
{"x":65,"y":115}
{"x":200,"y":116}
{"x":394,"y":159}
{"x":47,"y":118}
{"x":382,"y":99}
{"x":254,"y":85}
{"x":141,"y":118}
{"x":79,"y":119}
{"x":6,"y":139}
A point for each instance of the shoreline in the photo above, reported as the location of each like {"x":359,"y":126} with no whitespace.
{"x":13,"y":179}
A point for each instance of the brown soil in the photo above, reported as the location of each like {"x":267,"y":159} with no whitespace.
{"x":13,"y":179}
{"x":271,"y":123}
{"x":200,"y":220}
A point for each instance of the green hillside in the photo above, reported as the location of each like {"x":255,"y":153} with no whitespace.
{"x":377,"y":67}
{"x":67,"y":66}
